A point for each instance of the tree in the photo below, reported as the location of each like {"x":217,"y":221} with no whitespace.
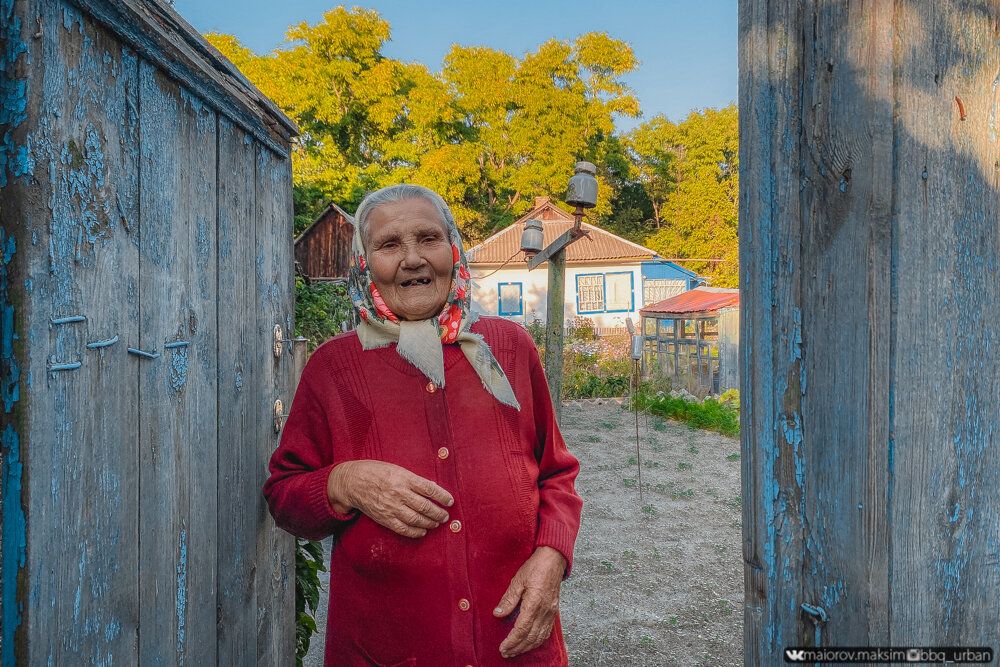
{"x":690,"y":174}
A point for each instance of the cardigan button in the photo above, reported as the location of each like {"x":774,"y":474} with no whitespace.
{"x":431,"y":387}
{"x":443,"y":453}
{"x":455,"y":526}
{"x":464,"y":605}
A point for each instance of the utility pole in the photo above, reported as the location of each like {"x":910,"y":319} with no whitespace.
{"x":581,"y":193}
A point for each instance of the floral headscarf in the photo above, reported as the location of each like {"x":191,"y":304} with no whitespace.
{"x":420,"y":342}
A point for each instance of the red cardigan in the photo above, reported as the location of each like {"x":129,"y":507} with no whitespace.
{"x":397,"y":601}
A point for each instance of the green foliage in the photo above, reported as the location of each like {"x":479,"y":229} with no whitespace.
{"x":308,"y":565}
{"x":709,"y":414}
{"x":690,"y":172}
{"x":320,"y":308}
{"x":592,"y":368}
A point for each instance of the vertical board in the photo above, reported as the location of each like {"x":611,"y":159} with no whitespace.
{"x":871,"y":400}
{"x":80,"y":220}
{"x":275,"y":557}
{"x":177,"y":395}
{"x":240,"y":460}
{"x":729,"y":349}
{"x":945,"y":522}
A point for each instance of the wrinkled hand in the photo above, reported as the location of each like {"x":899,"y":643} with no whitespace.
{"x":536,"y":587}
{"x":389,"y":495}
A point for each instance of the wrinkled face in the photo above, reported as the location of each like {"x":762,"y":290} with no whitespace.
{"x":410,"y":257}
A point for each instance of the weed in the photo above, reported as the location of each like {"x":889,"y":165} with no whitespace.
{"x":593,"y":601}
{"x":684,"y":465}
{"x":657,"y":447}
{"x":693,"y":449}
{"x":736,"y":502}
{"x":733,"y":457}
{"x":726,"y":609}
{"x":719,"y":547}
{"x":650,"y":510}
{"x":603,"y":467}
{"x":737,"y":523}
{"x":651,"y":464}
{"x":710,"y":414}
{"x":646,"y":641}
{"x":659,"y":425}
{"x":628,"y":554}
{"x":592,"y":438}
{"x":629,"y":482}
{"x":661,"y":488}
{"x":656,"y":553}
{"x":607,"y":565}
{"x":673,"y":620}
{"x":609,"y":424}
{"x":712,"y":492}
{"x":689,"y":493}
{"x":631,"y":461}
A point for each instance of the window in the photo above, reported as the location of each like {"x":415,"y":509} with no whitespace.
{"x":618,"y":292}
{"x":510,"y":299}
{"x":655,"y":290}
{"x":604,"y":293}
{"x":590,"y":294}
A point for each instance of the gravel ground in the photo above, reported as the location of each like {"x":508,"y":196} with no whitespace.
{"x":656,"y":581}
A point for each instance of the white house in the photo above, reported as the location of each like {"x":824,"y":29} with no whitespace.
{"x":608,"y":278}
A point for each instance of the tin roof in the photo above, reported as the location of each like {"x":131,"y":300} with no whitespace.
{"x":599,"y":245}
{"x":706,"y":300}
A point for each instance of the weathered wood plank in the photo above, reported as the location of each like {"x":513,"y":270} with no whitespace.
{"x":275,"y":558}
{"x":78,"y":214}
{"x":177,"y":397}
{"x":945,"y":522}
{"x":167,"y":40}
{"x":869,"y":428}
{"x":239,"y":456}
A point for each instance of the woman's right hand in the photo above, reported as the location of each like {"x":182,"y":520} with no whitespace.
{"x":389,"y":495}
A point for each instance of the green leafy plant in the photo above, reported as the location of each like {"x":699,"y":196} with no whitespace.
{"x":733,"y":457}
{"x":710,"y":414}
{"x":308,"y":565}
{"x":320,"y":308}
{"x":684,"y":465}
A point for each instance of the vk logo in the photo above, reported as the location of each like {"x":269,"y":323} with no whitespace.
{"x":795,"y":656}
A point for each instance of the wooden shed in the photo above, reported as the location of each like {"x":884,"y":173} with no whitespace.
{"x":323,"y":249}
{"x":146,"y":267}
{"x":693,"y":338}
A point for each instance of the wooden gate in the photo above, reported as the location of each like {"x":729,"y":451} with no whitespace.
{"x":869,"y":248}
{"x":147,"y":264}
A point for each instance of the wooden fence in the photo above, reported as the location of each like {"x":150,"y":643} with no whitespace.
{"x":147,"y":263}
{"x":869,"y":248}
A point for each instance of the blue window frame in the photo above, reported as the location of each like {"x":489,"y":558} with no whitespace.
{"x":605,"y":292}
{"x":509,"y":298}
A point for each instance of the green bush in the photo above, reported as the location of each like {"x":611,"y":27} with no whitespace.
{"x":320,"y":308}
{"x":308,"y":565}
{"x":710,"y":414}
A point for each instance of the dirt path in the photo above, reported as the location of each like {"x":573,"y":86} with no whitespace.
{"x":657,"y":582}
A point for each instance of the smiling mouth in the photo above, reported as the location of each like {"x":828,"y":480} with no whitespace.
{"x":414,"y":282}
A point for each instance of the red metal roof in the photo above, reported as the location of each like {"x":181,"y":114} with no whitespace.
{"x":697,"y":300}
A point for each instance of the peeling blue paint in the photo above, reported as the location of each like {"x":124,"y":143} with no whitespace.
{"x":16,"y":159}
{"x":178,"y":371}
{"x":181,"y":593}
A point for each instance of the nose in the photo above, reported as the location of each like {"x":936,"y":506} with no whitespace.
{"x":412,"y":259}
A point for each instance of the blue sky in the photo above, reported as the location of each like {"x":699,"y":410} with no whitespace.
{"x":687,"y":48}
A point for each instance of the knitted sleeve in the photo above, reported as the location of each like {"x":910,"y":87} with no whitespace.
{"x":559,"y":505}
{"x":300,"y":466}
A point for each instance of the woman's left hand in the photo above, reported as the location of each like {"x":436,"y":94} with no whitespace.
{"x":536,"y":587}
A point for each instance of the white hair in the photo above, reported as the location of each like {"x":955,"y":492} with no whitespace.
{"x":395,"y":193}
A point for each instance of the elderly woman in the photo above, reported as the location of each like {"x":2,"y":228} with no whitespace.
{"x":425,"y":442}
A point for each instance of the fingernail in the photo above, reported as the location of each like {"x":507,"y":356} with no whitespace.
{"x":498,"y":610}
{"x":451,"y":502}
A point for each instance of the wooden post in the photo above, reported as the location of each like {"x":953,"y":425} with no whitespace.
{"x":555,"y":310}
{"x":869,"y":269}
